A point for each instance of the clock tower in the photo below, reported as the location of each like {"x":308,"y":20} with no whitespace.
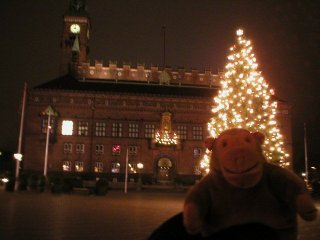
{"x":75,"y":36}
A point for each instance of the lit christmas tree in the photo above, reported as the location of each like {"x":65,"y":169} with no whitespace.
{"x":245,"y":101}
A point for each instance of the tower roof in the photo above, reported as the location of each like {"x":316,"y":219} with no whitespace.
{"x":77,"y":8}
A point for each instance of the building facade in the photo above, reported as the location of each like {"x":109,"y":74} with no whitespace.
{"x":103,"y":116}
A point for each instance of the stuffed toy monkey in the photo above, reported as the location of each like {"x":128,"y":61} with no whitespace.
{"x":242,"y":188}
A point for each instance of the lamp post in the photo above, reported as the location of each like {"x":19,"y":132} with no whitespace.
{"x":50,"y":113}
{"x":18,"y":158}
{"x":47,"y":147}
{"x":306,"y":155}
{"x":140,"y":167}
{"x":18,"y":155}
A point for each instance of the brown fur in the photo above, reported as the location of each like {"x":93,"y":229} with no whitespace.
{"x":243,"y":188}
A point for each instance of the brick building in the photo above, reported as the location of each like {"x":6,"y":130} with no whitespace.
{"x":103,"y":115}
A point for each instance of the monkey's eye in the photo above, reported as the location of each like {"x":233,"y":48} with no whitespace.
{"x":248,"y":139}
{"x":224,"y":144}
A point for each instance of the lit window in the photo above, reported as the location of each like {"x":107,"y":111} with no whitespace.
{"x":197,"y":152}
{"x":83,"y":128}
{"x":79,"y":166}
{"x":132,"y":150}
{"x":149,"y":131}
{"x":115,"y":167}
{"x":98,"y":167}
{"x":182,"y":132}
{"x":133,"y":130}
{"x":99,"y":149}
{"x":116,"y":149}
{"x":80,"y":148}
{"x":100,"y":129}
{"x":117,"y":130}
{"x":66,"y":166}
{"x":67,"y":148}
{"x":44,"y":126}
{"x":132,"y":167}
{"x":67,"y":127}
{"x":197,"y":133}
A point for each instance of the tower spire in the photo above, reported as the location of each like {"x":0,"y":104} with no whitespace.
{"x":77,"y":7}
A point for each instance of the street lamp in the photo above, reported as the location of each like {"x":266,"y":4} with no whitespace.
{"x":18,"y":158}
{"x":306,"y":155}
{"x":18,"y":155}
{"x":50,"y":113}
{"x":140,"y":167}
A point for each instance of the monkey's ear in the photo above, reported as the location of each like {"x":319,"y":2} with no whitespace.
{"x":259,"y":137}
{"x":209,"y":142}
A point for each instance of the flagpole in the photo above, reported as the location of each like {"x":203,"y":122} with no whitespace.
{"x":126,"y":176}
{"x":19,"y":158}
{"x":306,"y":154}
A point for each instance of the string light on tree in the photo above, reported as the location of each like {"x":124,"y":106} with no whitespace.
{"x":245,"y":101}
{"x":205,"y":162}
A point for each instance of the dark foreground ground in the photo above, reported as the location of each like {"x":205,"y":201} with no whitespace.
{"x":44,"y":216}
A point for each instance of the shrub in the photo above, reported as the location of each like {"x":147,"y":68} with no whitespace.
{"x":101,"y":187}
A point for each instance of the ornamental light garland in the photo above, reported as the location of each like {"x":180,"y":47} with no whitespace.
{"x":166,"y":138}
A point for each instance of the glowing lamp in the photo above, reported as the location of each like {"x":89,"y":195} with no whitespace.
{"x":18,"y":156}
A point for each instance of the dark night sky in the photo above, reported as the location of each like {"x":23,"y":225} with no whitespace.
{"x":285,"y":36}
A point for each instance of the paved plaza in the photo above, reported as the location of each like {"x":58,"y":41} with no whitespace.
{"x":45,"y":216}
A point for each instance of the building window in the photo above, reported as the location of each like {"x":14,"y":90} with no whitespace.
{"x":67,"y":148}
{"x":66,"y":167}
{"x":83,"y":128}
{"x":133,"y":130}
{"x":182,"y":132}
{"x":79,"y":166}
{"x":197,"y":152}
{"x":80,"y":148}
{"x":133,"y":167}
{"x":100,"y":129}
{"x":67,"y":128}
{"x":99,"y":149}
{"x":132,"y":150}
{"x":98,"y":167}
{"x":116,"y":150}
{"x":44,"y":125}
{"x":117,"y":130}
{"x":149,"y":131}
{"x":197,"y":133}
{"x":115,"y":167}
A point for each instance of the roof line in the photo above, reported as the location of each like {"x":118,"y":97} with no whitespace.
{"x":148,"y":84}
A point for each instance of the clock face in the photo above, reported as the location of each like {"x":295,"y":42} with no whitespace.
{"x":75,"y":28}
